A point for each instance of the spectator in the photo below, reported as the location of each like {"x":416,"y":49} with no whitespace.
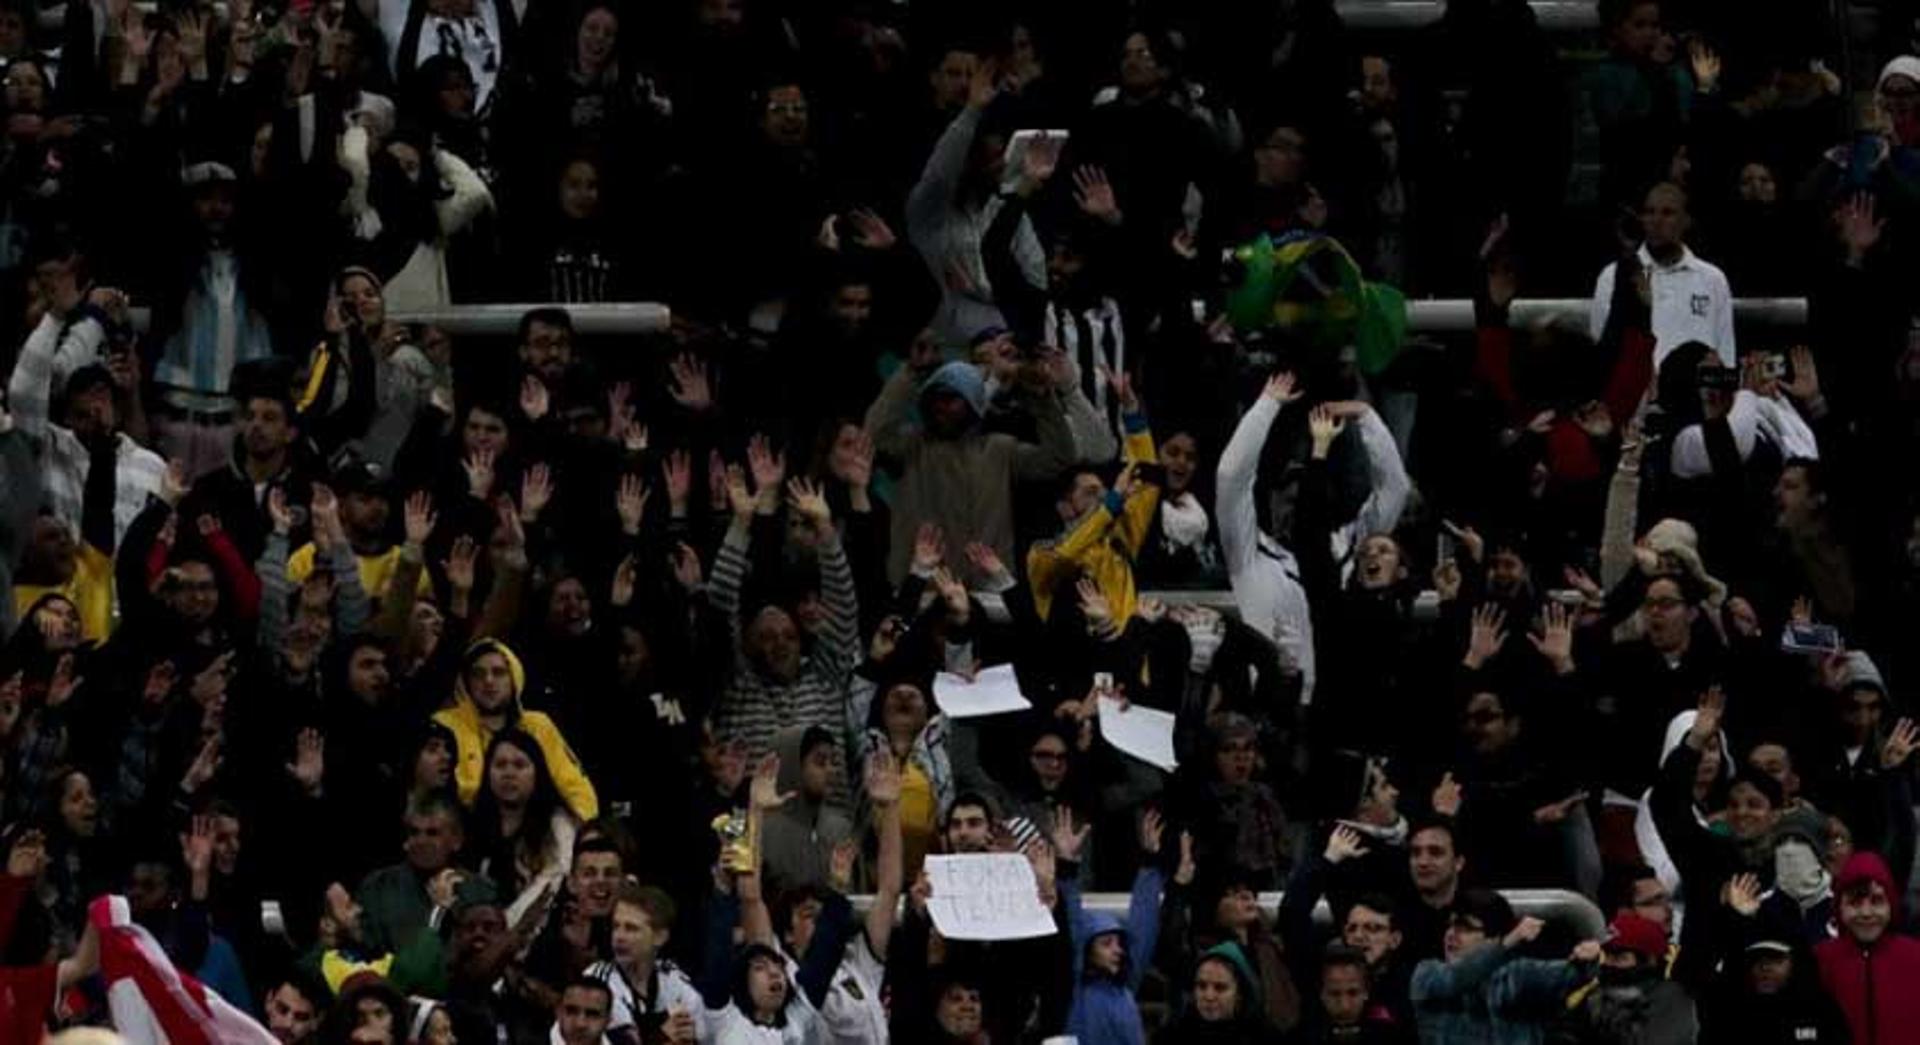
{"x":1690,"y":297}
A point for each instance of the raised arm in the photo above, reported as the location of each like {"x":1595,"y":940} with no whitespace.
{"x":1143,"y":908}
{"x":883,"y":793}
{"x":1380,"y":513}
{"x":841,"y":629}
{"x":1239,"y":465}
{"x":31,"y":386}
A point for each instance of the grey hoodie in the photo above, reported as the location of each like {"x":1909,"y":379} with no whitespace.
{"x":798,"y":838}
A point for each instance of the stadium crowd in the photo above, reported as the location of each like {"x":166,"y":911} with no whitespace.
{"x":400,"y":683}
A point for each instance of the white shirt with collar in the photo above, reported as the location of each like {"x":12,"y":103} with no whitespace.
{"x":1691,"y":302}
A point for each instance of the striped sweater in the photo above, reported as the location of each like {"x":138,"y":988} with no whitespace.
{"x":754,"y":706}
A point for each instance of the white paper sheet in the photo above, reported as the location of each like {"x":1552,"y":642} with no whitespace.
{"x":986,"y":896}
{"x":993,"y":691}
{"x":1144,"y":733}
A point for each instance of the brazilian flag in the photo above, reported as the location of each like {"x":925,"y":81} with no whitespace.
{"x":1307,"y":285}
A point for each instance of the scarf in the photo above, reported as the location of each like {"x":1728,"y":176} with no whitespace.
{"x":1394,"y":834}
{"x":1183,"y":521}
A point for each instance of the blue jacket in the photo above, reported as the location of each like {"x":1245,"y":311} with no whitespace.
{"x":1490,"y":997}
{"x":1104,"y":1012}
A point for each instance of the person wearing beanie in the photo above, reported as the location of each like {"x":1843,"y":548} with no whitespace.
{"x":1871,"y":967}
{"x":1755,"y":975}
{"x":951,"y":472}
{"x":1865,"y":780}
{"x":1223,"y":1003}
{"x":1482,"y":991}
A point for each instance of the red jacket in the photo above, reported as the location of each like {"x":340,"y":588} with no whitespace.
{"x":1878,"y":987}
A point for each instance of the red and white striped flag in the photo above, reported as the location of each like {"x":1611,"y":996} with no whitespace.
{"x":153,"y":1003}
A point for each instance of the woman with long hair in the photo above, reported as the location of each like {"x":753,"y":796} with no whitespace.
{"x":522,"y":832}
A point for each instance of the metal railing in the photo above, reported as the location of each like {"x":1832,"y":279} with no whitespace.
{"x":1559,"y":15}
{"x":1439,"y":316}
{"x":1554,"y":906}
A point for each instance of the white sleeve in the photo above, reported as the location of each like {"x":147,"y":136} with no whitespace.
{"x":470,"y":196}
{"x":1380,"y":513}
{"x":1602,"y":302}
{"x":1785,"y":428}
{"x":1233,"y":507}
{"x":1690,"y":460}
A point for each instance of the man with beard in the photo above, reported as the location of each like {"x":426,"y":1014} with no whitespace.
{"x":365,"y":493}
{"x":262,"y":458}
{"x":293,"y":1009}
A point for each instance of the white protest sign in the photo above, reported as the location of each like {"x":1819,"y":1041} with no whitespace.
{"x":992,"y":691}
{"x":1144,"y":733}
{"x":986,"y":896}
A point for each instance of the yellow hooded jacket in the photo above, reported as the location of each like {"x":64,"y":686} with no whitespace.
{"x":1104,"y":543}
{"x":473,"y":736}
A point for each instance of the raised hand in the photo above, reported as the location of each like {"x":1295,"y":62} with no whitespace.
{"x":1283,"y":387}
{"x":806,"y":499}
{"x":1705,"y":62}
{"x":29,"y":856}
{"x":209,"y":685}
{"x":738,"y":496}
{"x":1805,"y":385}
{"x":1706,"y":722}
{"x":1153,"y":828}
{"x":686,"y":567}
{"x":1555,"y":639}
{"x":1447,"y":796}
{"x":631,"y":502}
{"x":985,"y":561}
{"x":1094,"y":606}
{"x":1344,"y":844}
{"x":1324,"y":425}
{"x":535,"y":400}
{"x":309,"y":765}
{"x":420,"y":519}
{"x":953,"y":594}
{"x":1488,"y":634}
{"x":929,"y":548}
{"x":769,"y":466}
{"x":1859,"y":228}
{"x":870,"y":231}
{"x":620,"y":594}
{"x":883,"y":778}
{"x":61,"y":686}
{"x":479,"y":468}
{"x":689,"y":384}
{"x":717,"y":498}
{"x":853,"y":465}
{"x":279,"y":511}
{"x":1041,"y":159}
{"x":536,"y":492}
{"x":1893,"y":754}
{"x":203,"y":767}
{"x":1067,"y":840}
{"x":1586,"y":952}
{"x":1094,"y":194}
{"x":765,"y":792}
{"x":509,"y":539}
{"x":677,"y":470}
{"x":196,"y":846}
{"x":459,"y":563}
{"x":1743,"y":895}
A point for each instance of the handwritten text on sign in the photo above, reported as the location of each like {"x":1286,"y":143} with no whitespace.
{"x":986,"y":896}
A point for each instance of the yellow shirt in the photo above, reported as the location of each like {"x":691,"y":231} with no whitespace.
{"x":90,"y":589}
{"x":376,"y":571}
{"x":917,"y":812}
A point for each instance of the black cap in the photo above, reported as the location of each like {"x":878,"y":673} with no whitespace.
{"x":359,"y":476}
{"x":88,"y":378}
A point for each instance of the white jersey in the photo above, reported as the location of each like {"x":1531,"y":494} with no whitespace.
{"x":852,"y":1011}
{"x":670,"y":990}
{"x":800,"y":1027}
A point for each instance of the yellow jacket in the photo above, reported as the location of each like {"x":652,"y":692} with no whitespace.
{"x":90,"y":589}
{"x":472,"y":737}
{"x":1105,"y":542}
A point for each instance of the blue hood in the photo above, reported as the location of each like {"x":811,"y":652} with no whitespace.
{"x":1103,"y":923}
{"x":963,"y":380}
